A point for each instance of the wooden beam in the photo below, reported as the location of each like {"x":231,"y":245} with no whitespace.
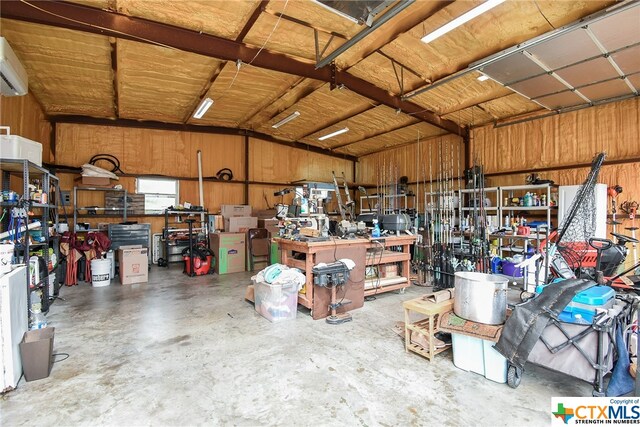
{"x":97,"y":21}
{"x":194,"y":128}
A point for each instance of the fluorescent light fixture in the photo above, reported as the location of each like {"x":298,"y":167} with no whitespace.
{"x":483,"y":78}
{"x":462,"y":19}
{"x":286,"y":120}
{"x":332,"y":134}
{"x":202,"y":108}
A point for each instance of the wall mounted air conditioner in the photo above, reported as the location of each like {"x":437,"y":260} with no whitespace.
{"x":13,"y":77}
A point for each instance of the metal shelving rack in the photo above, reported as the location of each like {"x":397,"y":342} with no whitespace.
{"x":76,"y":208}
{"x":510,"y":192}
{"x":27,"y":170}
{"x":168,"y":254}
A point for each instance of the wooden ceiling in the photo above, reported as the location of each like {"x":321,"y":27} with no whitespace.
{"x":111,"y":59}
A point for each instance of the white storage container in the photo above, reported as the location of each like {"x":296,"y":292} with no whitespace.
{"x":276,"y":302}
{"x":477,"y":355}
{"x":19,"y":148}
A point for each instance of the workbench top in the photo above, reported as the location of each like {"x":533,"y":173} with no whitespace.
{"x":334,"y":241}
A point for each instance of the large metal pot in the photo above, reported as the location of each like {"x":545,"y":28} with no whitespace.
{"x":481,"y":297}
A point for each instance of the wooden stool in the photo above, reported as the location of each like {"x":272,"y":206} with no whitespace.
{"x":427,"y":326}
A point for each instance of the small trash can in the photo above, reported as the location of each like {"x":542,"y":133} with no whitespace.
{"x":36,"y":350}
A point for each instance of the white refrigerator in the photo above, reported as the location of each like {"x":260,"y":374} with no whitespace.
{"x":566,"y":194}
{"x":14,"y":323}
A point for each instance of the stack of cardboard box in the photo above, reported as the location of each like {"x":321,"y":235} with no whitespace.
{"x":230,"y":247}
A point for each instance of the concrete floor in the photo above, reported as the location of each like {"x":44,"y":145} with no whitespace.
{"x":183,"y":351}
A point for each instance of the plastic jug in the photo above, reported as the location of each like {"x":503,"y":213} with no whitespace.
{"x":376,"y":229}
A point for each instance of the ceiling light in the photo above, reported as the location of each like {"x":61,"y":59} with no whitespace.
{"x":202,"y":108}
{"x":287,"y":119}
{"x":332,"y":134}
{"x":483,"y":78}
{"x":462,"y":19}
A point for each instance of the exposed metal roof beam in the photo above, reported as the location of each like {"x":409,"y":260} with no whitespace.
{"x":252,"y":20}
{"x":399,"y":7}
{"x":92,"y":20}
{"x":194,"y":128}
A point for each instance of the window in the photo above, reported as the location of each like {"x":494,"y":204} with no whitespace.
{"x":159,"y":193}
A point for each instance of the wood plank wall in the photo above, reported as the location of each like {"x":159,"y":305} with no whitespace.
{"x":173,"y":153}
{"x":563,"y":141}
{"x":25,"y":117}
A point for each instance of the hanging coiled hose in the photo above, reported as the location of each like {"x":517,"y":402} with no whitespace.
{"x":109,"y":158}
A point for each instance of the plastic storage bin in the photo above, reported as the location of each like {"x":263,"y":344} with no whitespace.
{"x":585,"y":305}
{"x":276,"y":302}
{"x":477,"y":355}
{"x":19,"y":148}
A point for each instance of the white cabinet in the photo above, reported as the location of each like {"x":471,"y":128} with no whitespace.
{"x":14,"y":322}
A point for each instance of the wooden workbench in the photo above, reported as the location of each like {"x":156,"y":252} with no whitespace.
{"x":317,"y":298}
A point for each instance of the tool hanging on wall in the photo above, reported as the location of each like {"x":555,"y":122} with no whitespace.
{"x":613,"y":192}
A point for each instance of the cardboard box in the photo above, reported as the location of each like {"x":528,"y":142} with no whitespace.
{"x":215,"y":223}
{"x":266,"y":214}
{"x":229,"y":250}
{"x":134,"y":264}
{"x":96,"y":181}
{"x":271,"y":225}
{"x":240,"y":224}
{"x":229,"y":211}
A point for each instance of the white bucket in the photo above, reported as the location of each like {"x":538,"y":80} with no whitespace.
{"x":6,"y":254}
{"x":62,"y":227}
{"x":100,"y":272}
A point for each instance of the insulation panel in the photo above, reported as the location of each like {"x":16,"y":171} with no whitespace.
{"x":69,"y":71}
{"x":459,"y":94}
{"x":219,"y":18}
{"x":288,"y":37}
{"x":392,"y":139}
{"x":362,"y":126}
{"x":379,"y":70}
{"x":318,"y":110}
{"x":240,"y":94}
{"x":510,"y":23}
{"x":509,"y":105}
{"x":159,"y":83}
